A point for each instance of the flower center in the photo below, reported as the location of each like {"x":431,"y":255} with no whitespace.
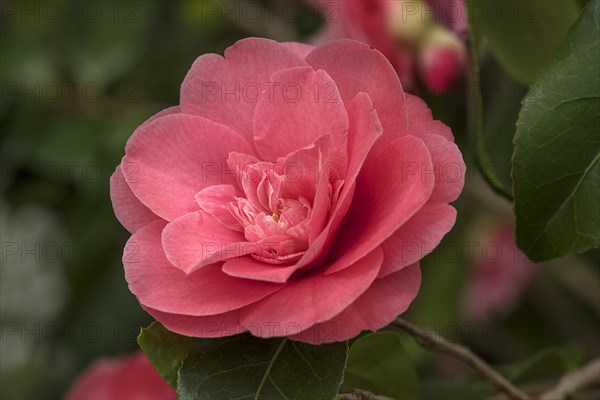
{"x":272,"y":219}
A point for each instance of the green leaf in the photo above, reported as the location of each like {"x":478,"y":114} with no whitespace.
{"x":556,"y":173}
{"x":379,"y":364}
{"x":485,"y":160}
{"x":499,"y":127}
{"x":245,"y":367}
{"x":165,"y":350}
{"x":524,"y":35}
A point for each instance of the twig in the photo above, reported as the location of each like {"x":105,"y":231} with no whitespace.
{"x":534,"y":390}
{"x":357,"y":394}
{"x":571,"y":383}
{"x":435,"y":342}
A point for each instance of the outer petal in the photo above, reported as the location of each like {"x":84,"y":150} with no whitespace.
{"x":176,"y":156}
{"x":311,"y":299}
{"x":417,"y":237}
{"x":212,"y":326}
{"x":226,"y":89}
{"x":421,"y":122}
{"x":130,"y":212}
{"x":303,"y":106}
{"x":163,"y":113}
{"x":197,"y":239}
{"x":449,"y":167}
{"x":356,"y":67}
{"x":249,"y":268}
{"x":162,"y":287}
{"x":301,"y":49}
{"x":377,"y":307}
{"x":391,"y":188}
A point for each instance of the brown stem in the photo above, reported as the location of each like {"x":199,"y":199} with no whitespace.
{"x":571,"y":383}
{"x":433,"y":341}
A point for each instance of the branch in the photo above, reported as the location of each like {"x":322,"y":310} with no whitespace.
{"x":357,"y":394}
{"x":435,"y":342}
{"x":588,"y":375}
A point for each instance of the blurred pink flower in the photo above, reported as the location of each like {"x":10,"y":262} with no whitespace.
{"x":407,"y":32}
{"x":498,"y":280}
{"x":278,"y":197}
{"x":366,"y":21}
{"x":129,"y":377}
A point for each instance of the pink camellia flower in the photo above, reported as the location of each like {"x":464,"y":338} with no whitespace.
{"x":278,"y":197}
{"x":498,"y":279}
{"x":130,"y":377}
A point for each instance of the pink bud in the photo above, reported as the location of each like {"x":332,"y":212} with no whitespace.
{"x":441,"y":59}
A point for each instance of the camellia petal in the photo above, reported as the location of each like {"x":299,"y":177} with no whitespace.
{"x":198,"y":239}
{"x":381,"y":303}
{"x":250,"y":268}
{"x":226,"y":89}
{"x":176,"y":156}
{"x":130,"y":211}
{"x":214,"y":200}
{"x":448,"y":167}
{"x":356,"y":67}
{"x":312,"y":299}
{"x":280,"y":126}
{"x":422,"y":122}
{"x":301,"y":49}
{"x":364,"y":131}
{"x":210,"y":326}
{"x":392,"y":187}
{"x":160,"y":286}
{"x":417,"y":237}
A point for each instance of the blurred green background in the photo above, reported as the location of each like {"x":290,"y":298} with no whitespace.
{"x":77,"y":77}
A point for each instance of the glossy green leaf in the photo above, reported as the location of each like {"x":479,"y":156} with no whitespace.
{"x":524,"y":35}
{"x":165,"y":350}
{"x":556,"y":172}
{"x":486,"y":160}
{"x":379,"y":364}
{"x":245,"y":367}
{"x":499,"y":128}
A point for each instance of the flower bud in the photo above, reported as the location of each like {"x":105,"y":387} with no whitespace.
{"x":441,"y":59}
{"x":407,"y":20}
